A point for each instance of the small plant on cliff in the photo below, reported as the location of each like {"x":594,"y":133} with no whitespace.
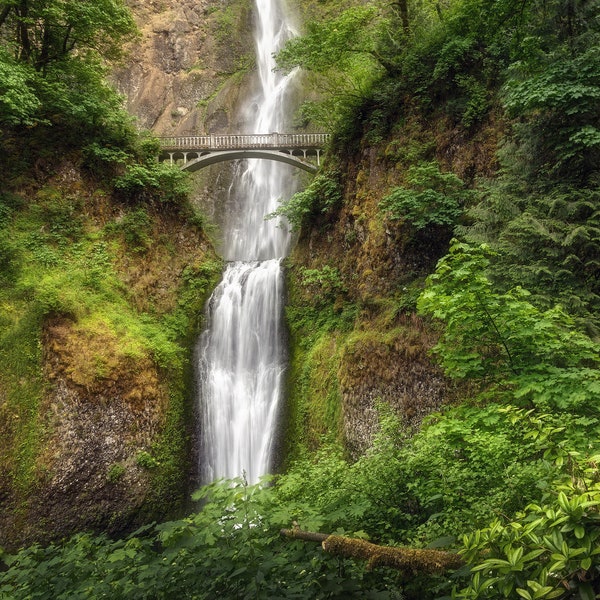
{"x":431,"y":198}
{"x":136,"y":227}
{"x":323,"y":285}
{"x":115,"y":473}
{"x":146,"y":460}
{"x":322,"y":195}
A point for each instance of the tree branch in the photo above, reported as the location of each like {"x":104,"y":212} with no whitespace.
{"x":408,"y":560}
{"x":511,"y":363}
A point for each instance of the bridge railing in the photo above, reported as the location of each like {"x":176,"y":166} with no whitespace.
{"x":232,"y":142}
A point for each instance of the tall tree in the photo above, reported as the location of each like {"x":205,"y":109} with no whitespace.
{"x":42,"y":31}
{"x":53,"y":61}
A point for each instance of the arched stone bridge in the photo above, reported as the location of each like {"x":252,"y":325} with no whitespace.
{"x":198,"y":151}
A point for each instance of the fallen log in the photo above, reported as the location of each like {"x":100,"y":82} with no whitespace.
{"x":415,"y":561}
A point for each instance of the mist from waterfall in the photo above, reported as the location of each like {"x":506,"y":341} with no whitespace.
{"x":242,"y":352}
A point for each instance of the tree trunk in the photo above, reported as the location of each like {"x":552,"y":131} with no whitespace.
{"x":403,"y":9}
{"x":4,"y":14}
{"x":23,"y":31}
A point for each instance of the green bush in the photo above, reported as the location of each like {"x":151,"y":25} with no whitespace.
{"x":136,"y":227}
{"x":460,"y":472}
{"x":146,"y":460}
{"x":323,"y":194}
{"x":154,"y":183}
{"x":323,"y":285}
{"x":502,"y":340}
{"x":549,"y":549}
{"x":432,"y":198}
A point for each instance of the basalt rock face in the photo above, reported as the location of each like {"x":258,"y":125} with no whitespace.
{"x":186,"y":72}
{"x":388,"y":263}
{"x":393,"y":367}
{"x":89,"y":475}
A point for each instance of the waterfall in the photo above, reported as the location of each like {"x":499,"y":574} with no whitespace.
{"x":242,"y":353}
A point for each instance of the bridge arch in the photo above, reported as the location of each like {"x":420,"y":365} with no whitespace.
{"x":200,"y":151}
{"x":205,"y":160}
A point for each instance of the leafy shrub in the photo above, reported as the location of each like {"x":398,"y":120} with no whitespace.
{"x":136,"y":227}
{"x":559,"y":99}
{"x":99,"y":157}
{"x":322,"y":195}
{"x":146,"y":460}
{"x":60,"y":214}
{"x":233,"y":553}
{"x":159,"y":183}
{"x":433,"y":198}
{"x":549,"y":549}
{"x":464,"y":468}
{"x":323,"y":285}
{"x":19,"y":103}
{"x":547,"y":239}
{"x":501,"y":337}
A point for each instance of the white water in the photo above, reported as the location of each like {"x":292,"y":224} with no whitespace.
{"x":242,"y":353}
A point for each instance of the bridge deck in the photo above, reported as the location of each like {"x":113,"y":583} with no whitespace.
{"x":267,"y":141}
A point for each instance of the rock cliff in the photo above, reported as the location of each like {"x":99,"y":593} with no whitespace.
{"x":185,"y":74}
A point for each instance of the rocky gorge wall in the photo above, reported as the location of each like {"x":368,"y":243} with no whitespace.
{"x":188,"y":75}
{"x":94,"y":389}
{"x":105,"y":443}
{"x":365,"y":271}
{"x":111,"y":424}
{"x":187,"y":72}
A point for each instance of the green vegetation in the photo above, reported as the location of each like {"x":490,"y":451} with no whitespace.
{"x":322,"y":196}
{"x":54,"y":59}
{"x":115,"y":473}
{"x":61,"y":262}
{"x":537,"y":356}
{"x":339,"y":58}
{"x":432,"y":204}
{"x":319,"y":318}
{"x":406,"y":491}
{"x":506,"y":474}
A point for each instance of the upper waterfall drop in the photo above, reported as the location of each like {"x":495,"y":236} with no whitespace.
{"x":242,"y":352}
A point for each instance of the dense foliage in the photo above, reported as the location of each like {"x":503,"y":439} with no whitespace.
{"x":508,"y":476}
{"x":51,"y":58}
{"x":405,"y":491}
